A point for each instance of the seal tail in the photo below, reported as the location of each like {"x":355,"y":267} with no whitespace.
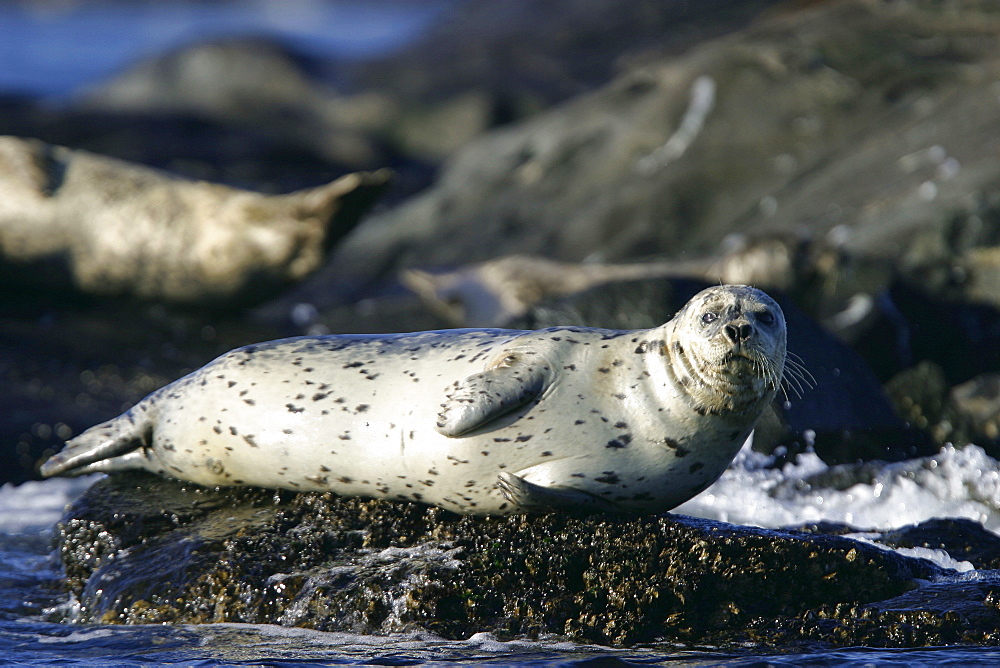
{"x":114,"y":445}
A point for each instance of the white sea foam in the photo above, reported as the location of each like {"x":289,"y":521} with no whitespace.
{"x":37,"y":505}
{"x":956,"y":482}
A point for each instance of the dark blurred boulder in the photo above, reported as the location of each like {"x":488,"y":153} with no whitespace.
{"x":871,"y":125}
{"x":251,"y":83}
{"x":484,"y":64}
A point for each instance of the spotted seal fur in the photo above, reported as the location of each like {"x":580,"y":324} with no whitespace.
{"x":476,"y":421}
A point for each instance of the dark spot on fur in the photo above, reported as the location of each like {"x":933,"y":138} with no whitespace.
{"x":353,"y":365}
{"x":615,"y":444}
{"x":292,"y":408}
{"x":232,"y":430}
{"x":320,"y":395}
{"x":347,"y":480}
{"x":501,"y":440}
{"x":361,"y":408}
{"x":523,"y":439}
{"x":217,"y":429}
{"x":604,"y":369}
{"x":231,"y":383}
{"x":248,"y":438}
{"x":695,"y":467}
{"x":621,"y":425}
{"x":580,"y":422}
{"x":609,"y":478}
{"x":547,"y":453}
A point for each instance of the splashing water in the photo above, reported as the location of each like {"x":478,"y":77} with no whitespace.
{"x":956,"y":482}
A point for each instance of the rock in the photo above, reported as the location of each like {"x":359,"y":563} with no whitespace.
{"x":253,"y":83}
{"x":142,"y":549}
{"x":976,"y":405}
{"x":857,"y":129}
{"x":962,"y":539}
{"x":75,"y":220}
{"x":834,"y":404}
{"x":485,"y":64}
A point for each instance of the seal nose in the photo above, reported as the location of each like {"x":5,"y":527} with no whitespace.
{"x":739,"y":332}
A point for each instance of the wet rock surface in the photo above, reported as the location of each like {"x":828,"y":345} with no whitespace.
{"x":141,"y":549}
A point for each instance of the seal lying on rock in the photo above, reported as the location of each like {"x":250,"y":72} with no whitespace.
{"x":476,"y":421}
{"x":112,"y":228}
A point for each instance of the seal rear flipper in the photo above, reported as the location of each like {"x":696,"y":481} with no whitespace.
{"x":531,"y":498}
{"x":482,"y":397}
{"x":109,"y":446}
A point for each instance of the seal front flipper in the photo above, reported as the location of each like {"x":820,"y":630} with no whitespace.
{"x":531,"y":498}
{"x":110,"y":446}
{"x":482,"y":397}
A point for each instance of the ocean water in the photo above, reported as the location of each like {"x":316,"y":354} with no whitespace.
{"x":954,"y":483}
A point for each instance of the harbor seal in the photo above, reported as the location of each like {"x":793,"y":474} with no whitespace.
{"x":484,"y":421}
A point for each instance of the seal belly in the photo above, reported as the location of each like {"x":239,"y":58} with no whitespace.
{"x":358,"y":420}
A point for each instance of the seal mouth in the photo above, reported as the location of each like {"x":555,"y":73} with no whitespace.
{"x":744,"y":362}
{"x":741,"y":355}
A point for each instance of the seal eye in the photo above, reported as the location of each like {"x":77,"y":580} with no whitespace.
{"x":765,"y":317}
{"x":709,"y":317}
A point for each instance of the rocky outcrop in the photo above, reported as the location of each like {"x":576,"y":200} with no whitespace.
{"x":859,"y":128}
{"x":75,"y":220}
{"x":142,"y":549}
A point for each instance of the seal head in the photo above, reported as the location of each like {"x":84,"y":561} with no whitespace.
{"x":726,"y":350}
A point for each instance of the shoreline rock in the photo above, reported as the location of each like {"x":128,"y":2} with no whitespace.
{"x":142,"y":549}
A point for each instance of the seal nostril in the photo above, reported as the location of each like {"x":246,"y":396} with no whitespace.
{"x":738,"y":332}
